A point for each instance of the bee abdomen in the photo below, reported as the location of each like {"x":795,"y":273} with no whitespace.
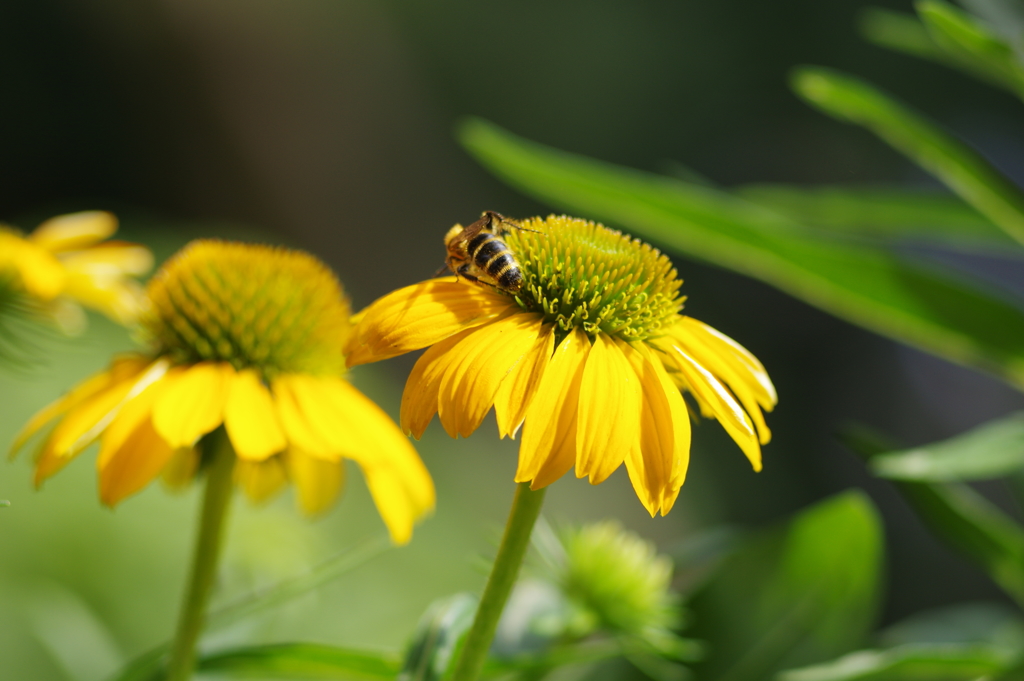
{"x":493,"y":256}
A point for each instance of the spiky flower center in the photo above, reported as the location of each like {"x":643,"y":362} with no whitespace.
{"x":581,"y":274}
{"x":257,"y":307}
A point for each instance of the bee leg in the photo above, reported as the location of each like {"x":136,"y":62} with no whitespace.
{"x":463,"y":271}
{"x":441,"y":270}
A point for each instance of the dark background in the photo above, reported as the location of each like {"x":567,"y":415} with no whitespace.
{"x":328,"y":124}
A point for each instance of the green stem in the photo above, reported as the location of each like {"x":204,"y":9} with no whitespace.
{"x":204,"y":560}
{"x":525,"y":509}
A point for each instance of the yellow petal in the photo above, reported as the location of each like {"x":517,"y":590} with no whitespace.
{"x":741,"y":359}
{"x":383,"y":444}
{"x":651,"y":464}
{"x":420,"y":397}
{"x":130,"y":416}
{"x":711,"y":392}
{"x":180,"y":470}
{"x":680,"y":430}
{"x":317,"y":482}
{"x":288,"y":401}
{"x":75,"y":230}
{"x":251,"y":419}
{"x":315,"y":414}
{"x":40,"y":272}
{"x":477,"y":368}
{"x":120,"y":299}
{"x":84,"y":423}
{"x":739,"y":385}
{"x":420,"y":315}
{"x":260,"y":480}
{"x":609,"y":412}
{"x":521,"y":384}
{"x":112,"y":259}
{"x":141,"y":456}
{"x":399,"y":506}
{"x":549,"y":432}
{"x":74,"y":397}
{"x":192,"y":403}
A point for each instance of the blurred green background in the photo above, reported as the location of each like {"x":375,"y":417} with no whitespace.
{"x":327,"y":125}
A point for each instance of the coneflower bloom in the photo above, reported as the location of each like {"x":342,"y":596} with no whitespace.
{"x":591,"y":358}
{"x":247,"y":338}
{"x":69,"y":260}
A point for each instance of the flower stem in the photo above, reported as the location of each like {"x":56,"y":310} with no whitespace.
{"x":204,"y":561}
{"x":525,"y":509}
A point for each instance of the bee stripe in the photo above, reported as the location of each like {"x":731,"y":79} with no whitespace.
{"x":478,"y":241}
{"x":489,"y":251}
{"x":511,"y":279}
{"x":500,"y":264}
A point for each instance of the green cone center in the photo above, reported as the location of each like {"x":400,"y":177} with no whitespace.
{"x":581,"y":274}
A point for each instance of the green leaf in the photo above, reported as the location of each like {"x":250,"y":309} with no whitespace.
{"x":962,"y":169}
{"x":969,"y":42}
{"x":437,"y":638}
{"x":301,"y":661}
{"x":884,"y":213}
{"x":949,"y":37}
{"x":915,"y":662}
{"x":964,"y":519}
{"x":989,"y":451}
{"x":858,"y":282}
{"x":802,"y":597}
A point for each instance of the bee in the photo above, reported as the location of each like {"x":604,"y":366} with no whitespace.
{"x":479,"y":254}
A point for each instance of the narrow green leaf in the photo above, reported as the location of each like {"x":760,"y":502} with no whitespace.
{"x":804,"y":597}
{"x":916,"y":662}
{"x":962,"y":169}
{"x":863,"y":284}
{"x":437,"y":638}
{"x":884,"y":213}
{"x":906,"y":33}
{"x":964,"y":519}
{"x":969,"y":41}
{"x":901,"y":32}
{"x":989,"y":451}
{"x":301,"y":661}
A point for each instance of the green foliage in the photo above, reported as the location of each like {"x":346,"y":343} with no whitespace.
{"x":964,"y":519}
{"x":952,"y":37}
{"x":865,"y":284}
{"x":992,"y":450}
{"x":793,"y":595}
{"x":961,"y":168}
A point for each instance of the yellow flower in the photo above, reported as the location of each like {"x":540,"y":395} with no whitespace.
{"x":591,"y":355}
{"x":67,"y":259}
{"x":248,"y":338}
